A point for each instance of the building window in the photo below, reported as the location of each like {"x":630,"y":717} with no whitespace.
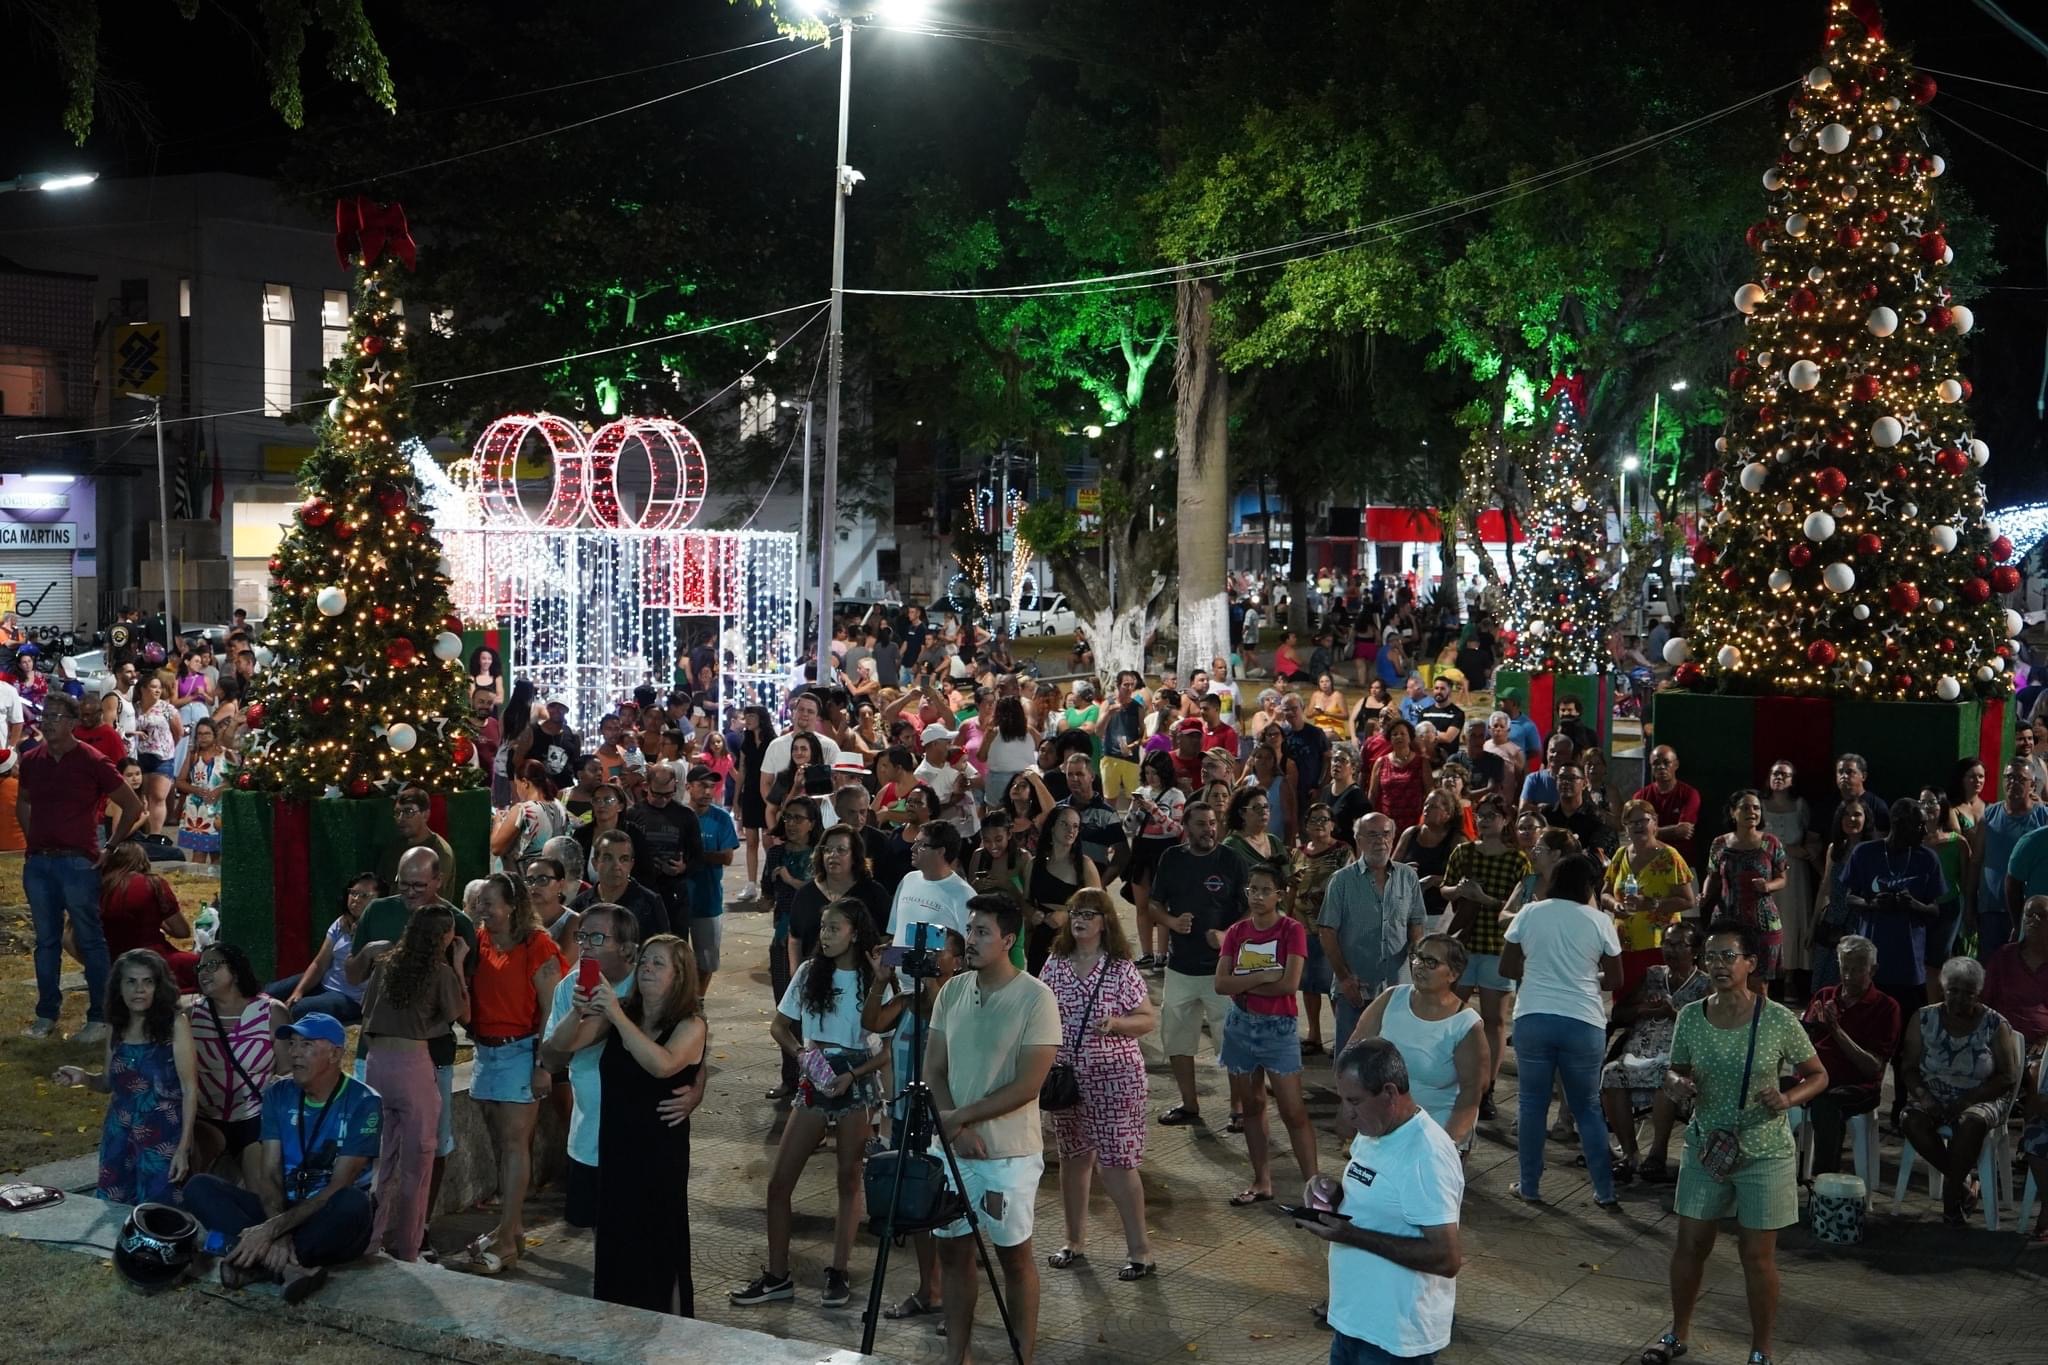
{"x":184,"y":298}
{"x":333,"y":325}
{"x":757,"y":414}
{"x":277,"y":349}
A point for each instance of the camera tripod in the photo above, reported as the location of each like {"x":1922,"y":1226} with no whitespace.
{"x":919,"y":1123}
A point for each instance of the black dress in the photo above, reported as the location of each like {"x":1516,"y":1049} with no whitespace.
{"x":643,"y":1193}
{"x":1049,"y":891}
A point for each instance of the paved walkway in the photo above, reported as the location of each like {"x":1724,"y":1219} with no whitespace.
{"x":1567,"y":1284}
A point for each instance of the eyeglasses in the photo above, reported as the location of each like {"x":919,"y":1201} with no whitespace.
{"x":414,"y":886}
{"x":594,"y":940}
{"x":539,"y":878}
{"x":1084,"y":914}
{"x":1425,"y":961}
{"x":1723,"y":954}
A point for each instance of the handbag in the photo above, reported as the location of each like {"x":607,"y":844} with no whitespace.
{"x":1721,"y":1153}
{"x":1062,"y":1086}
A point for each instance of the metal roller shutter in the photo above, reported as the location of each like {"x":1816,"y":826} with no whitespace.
{"x":42,"y":586}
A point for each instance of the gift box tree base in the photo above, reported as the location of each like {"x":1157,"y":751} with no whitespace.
{"x":285,"y":864}
{"x":1727,"y":743}
{"x":1540,"y":693}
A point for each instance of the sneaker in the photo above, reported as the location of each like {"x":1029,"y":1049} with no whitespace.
{"x":41,"y":1028}
{"x":766,"y":1289}
{"x":750,"y":892}
{"x":93,"y":1034}
{"x":837,"y":1291}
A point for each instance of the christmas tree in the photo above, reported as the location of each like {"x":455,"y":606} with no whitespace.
{"x":1557,"y":606}
{"x":1847,"y":551}
{"x":367,"y":691}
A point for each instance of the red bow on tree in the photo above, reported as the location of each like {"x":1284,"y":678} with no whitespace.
{"x":366,"y":228}
{"x":1572,"y":386}
{"x":1866,"y":12}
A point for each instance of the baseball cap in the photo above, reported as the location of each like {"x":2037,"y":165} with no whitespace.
{"x":1189,"y":726}
{"x":852,"y":767}
{"x":317,"y":1027}
{"x":938,"y":734}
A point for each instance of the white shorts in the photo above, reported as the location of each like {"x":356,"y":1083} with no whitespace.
{"x":1015,"y":1179}
{"x":1187,"y":1001}
{"x":707,"y":932}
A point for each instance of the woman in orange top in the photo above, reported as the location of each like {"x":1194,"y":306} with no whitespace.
{"x":517,"y":966}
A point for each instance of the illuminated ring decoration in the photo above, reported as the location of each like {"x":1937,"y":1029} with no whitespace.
{"x":585,"y":476}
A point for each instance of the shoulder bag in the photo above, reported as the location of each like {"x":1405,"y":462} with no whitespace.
{"x":1062,"y":1086}
{"x":1721,"y":1153}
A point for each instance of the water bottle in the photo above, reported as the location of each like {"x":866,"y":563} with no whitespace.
{"x":206,"y":928}
{"x":216,"y":1244}
{"x":1629,"y":886}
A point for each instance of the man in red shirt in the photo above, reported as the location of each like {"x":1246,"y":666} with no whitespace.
{"x":1855,"y":1030}
{"x":2016,"y":976}
{"x":1676,"y":803}
{"x":63,"y":784}
{"x":1215,"y":733}
{"x":1187,"y":753}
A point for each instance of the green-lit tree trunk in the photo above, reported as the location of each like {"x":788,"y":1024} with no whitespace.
{"x":1202,"y":431}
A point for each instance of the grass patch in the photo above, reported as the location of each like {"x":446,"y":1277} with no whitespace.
{"x":68,"y":1307}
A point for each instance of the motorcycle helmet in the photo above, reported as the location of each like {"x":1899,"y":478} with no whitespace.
{"x":28,"y":649}
{"x":156,"y":1246}
{"x":154,"y":653}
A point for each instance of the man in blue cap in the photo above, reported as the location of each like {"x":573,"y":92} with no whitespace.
{"x":321,"y":1130}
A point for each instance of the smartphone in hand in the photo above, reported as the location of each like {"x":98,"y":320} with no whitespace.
{"x":1303,"y":1213}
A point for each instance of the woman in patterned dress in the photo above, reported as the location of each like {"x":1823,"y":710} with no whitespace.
{"x":202,"y":780}
{"x":151,"y":1081}
{"x":1091,"y":960}
{"x":1745,"y":871}
{"x":1962,"y":1061}
{"x":1322,"y":855}
{"x":234,"y":1025}
{"x":1790,"y":819}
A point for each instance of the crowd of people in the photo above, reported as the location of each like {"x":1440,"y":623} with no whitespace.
{"x":1449,"y":884}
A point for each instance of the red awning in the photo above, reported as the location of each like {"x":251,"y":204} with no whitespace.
{"x":1421,"y":524}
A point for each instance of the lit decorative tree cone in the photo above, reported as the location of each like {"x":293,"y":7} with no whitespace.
{"x":1557,"y":608}
{"x":360,"y":699}
{"x":1847,"y":551}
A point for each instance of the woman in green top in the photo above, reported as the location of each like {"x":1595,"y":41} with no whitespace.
{"x":1084,"y":713}
{"x":1947,"y":835}
{"x":1710,"y":1051}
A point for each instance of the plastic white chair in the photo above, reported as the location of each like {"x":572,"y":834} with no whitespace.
{"x":2027,"y":1204}
{"x":1994,"y":1172}
{"x":1862,"y":1149}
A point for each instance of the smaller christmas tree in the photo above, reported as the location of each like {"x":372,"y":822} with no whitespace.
{"x":1558,"y":604}
{"x":367,"y":690}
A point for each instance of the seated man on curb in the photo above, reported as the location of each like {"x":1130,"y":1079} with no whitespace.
{"x":312,"y":1209}
{"x":1855,"y":1029}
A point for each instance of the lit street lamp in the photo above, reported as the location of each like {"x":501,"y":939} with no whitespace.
{"x":50,"y":181}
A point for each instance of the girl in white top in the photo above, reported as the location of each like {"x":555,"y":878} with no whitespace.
{"x":1438,"y":1034}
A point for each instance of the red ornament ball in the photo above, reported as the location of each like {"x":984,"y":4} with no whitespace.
{"x":1898,"y":473}
{"x":1739,"y":377}
{"x":1766,"y":415}
{"x":1731,"y":579}
{"x":1979,"y":563}
{"x":1866,"y":387}
{"x":1742,"y":352}
{"x":1758,"y":231}
{"x":401,"y":652}
{"x":1822,"y":652}
{"x":1869,"y":544}
{"x":1849,"y":236}
{"x":1879,"y":216}
{"x":416,"y":526}
{"x":1704,"y":555}
{"x":315,"y":513}
{"x":1911,"y":369}
{"x":255,"y":713}
{"x":1842,"y":438}
{"x":1921,"y":87}
{"x":1902,"y":164}
{"x":2001,"y":548}
{"x":452,"y":624}
{"x":1800,"y":555}
{"x":246,"y":781}
{"x":391,"y":501}
{"x":1831,"y":481}
{"x":345,"y":531}
{"x":1952,"y":461}
{"x":1968,"y":388}
{"x":320,"y":706}
{"x":1940,"y":319}
{"x":1946,"y":645}
{"x":460,"y":749}
{"x":2005,"y":578}
{"x":1713,"y":481}
{"x":359,"y":787}
{"x":1932,"y":244}
{"x":381,"y":614}
{"x":276,"y":567}
{"x":1804,"y":300}
{"x":1903,"y":598}
{"x":1904,"y":682}
{"x":373,"y":345}
{"x":1688,"y":674}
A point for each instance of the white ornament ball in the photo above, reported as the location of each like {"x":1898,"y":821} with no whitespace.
{"x":1795,"y":225}
{"x":1804,"y":375}
{"x":1786,"y":455}
{"x":1840,"y":578}
{"x":1748,"y":297}
{"x":1816,"y":274}
{"x":447,"y":646}
{"x":1986,"y":673}
{"x":1937,"y":605}
{"x":1863,"y":667}
{"x":1785,"y":507}
{"x":2014,"y":624}
{"x":332,"y":601}
{"x":1578,"y":504}
{"x":1797,"y":146}
{"x":1882,"y":322}
{"x":1909,"y":510}
{"x":1875,"y":132}
{"x":1861,"y":611}
{"x":1774,"y":179}
{"x":1721,"y":444}
{"x":401,"y":737}
{"x":1979,"y":452}
{"x":1944,"y":538}
{"x":1764,"y":361}
{"x":1948,"y":689}
{"x":1834,"y":138}
{"x":1539,"y":629}
{"x":1962,"y":319}
{"x":1840,"y":509}
{"x":1892,"y":103}
{"x":1676,"y":650}
{"x":1948,"y":255}
{"x":1886,"y":432}
{"x":1820,"y":78}
{"x":1936,"y":165}
{"x":1951,"y":390}
{"x":1818,"y":526}
{"x":1847,"y":192}
{"x":335,"y":407}
{"x":1780,"y":580}
{"x":1754,"y":475}
{"x":1891,"y":248}
{"x":1728,"y":657}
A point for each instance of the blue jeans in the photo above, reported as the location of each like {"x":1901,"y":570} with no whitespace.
{"x":339,"y":1232}
{"x":1351,"y":1351}
{"x":1550,"y":1045}
{"x":343,"y":1008}
{"x":60,"y":884}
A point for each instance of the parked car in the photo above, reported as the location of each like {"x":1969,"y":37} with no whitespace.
{"x":1043,"y":614}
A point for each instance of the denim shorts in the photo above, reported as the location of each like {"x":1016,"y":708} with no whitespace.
{"x":1483,"y":969}
{"x":503,"y":1074}
{"x":1260,"y":1042}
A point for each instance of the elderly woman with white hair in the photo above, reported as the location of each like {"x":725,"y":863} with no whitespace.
{"x":1962,"y":1062}
{"x":1499,"y":743}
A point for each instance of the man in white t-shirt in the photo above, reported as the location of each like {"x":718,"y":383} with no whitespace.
{"x":934,"y":892}
{"x":952,"y":782}
{"x":13,"y":717}
{"x":804,"y":714}
{"x":1393,"y":1235}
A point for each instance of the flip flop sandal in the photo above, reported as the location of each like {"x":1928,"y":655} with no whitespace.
{"x":306,"y":1286}
{"x":1663,"y":1350}
{"x":1236,"y":1124}
{"x":1137,"y":1270}
{"x":1064,"y":1257}
{"x":1248,"y":1198}
{"x":236,"y":1276}
{"x":911,"y":1307}
{"x":1179,"y":1116}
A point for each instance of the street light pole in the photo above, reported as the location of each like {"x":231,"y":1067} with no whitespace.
{"x":163,"y":502}
{"x":844,"y":177}
{"x":803,"y":524}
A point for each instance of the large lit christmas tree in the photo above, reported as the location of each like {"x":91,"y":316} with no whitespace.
{"x":1847,"y":551}
{"x":367,"y":692}
{"x":1558,"y":605}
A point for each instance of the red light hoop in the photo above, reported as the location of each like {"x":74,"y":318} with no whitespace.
{"x":497,"y":458}
{"x":676,"y":464}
